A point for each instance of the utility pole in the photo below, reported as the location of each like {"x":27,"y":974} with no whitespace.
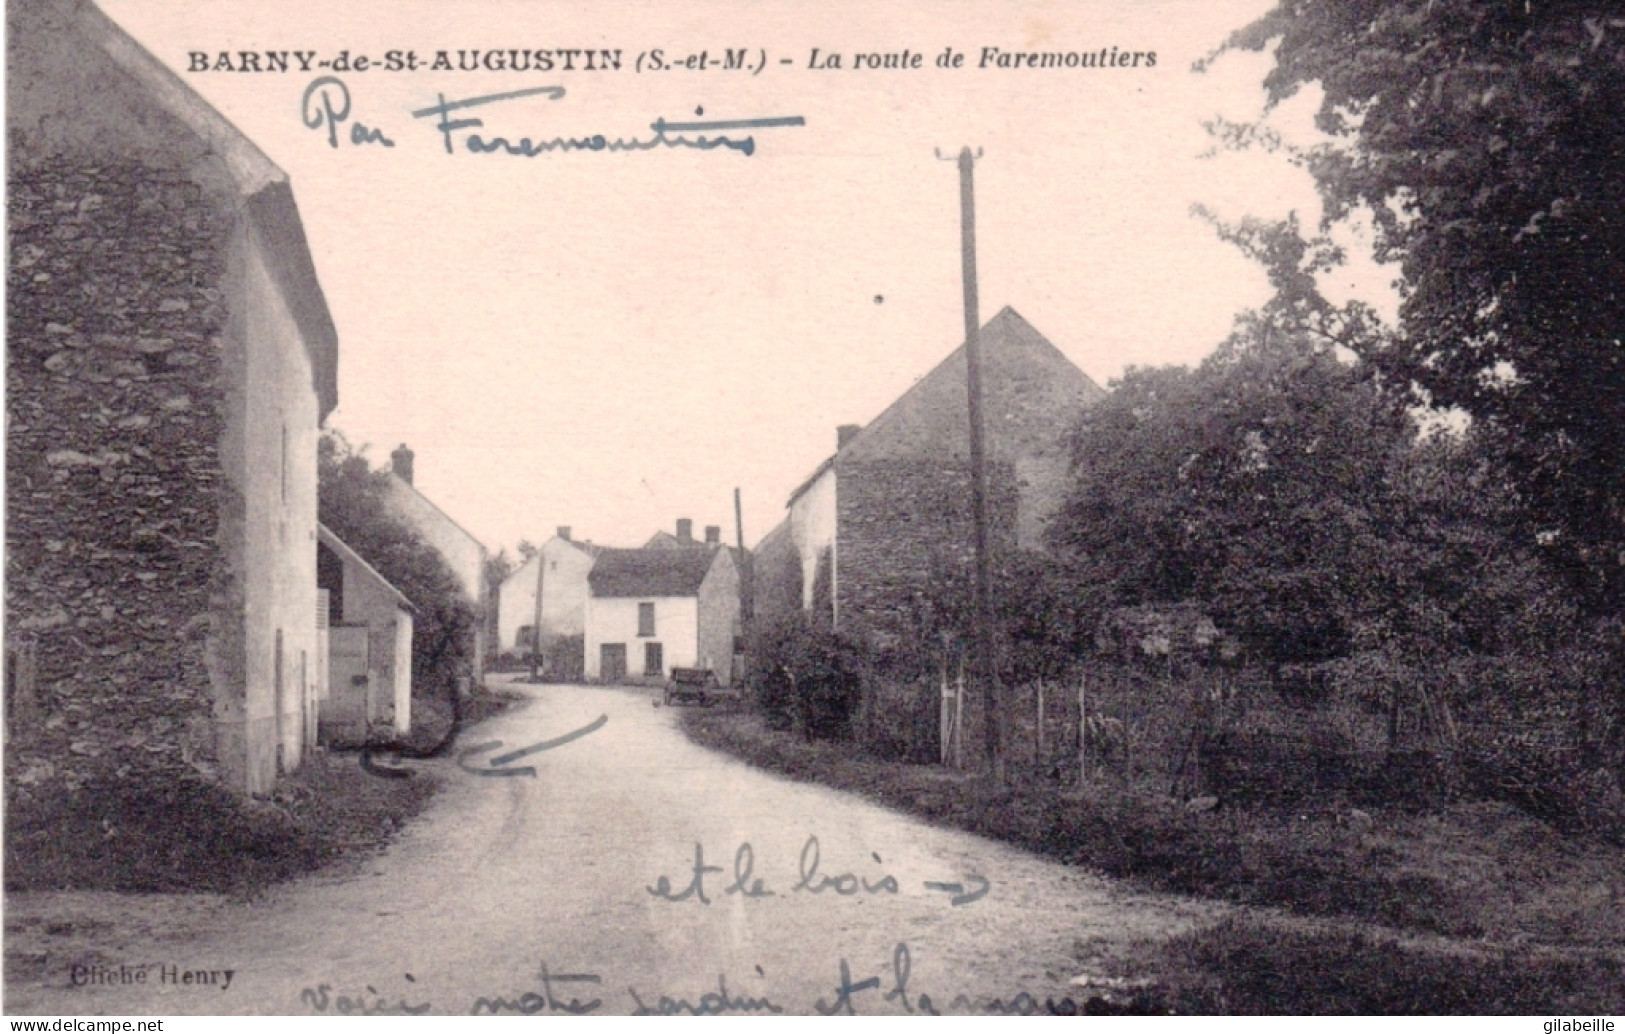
{"x":986,"y":660}
{"x":748,"y":602}
{"x":536,"y":638}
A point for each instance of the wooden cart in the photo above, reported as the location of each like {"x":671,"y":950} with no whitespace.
{"x":693,"y":686}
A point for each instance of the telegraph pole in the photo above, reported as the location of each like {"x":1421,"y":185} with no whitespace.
{"x":986,"y":660}
{"x":536,"y":639}
{"x":747,"y":610}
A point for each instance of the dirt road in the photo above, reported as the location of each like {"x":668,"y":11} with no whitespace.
{"x":575,"y":889}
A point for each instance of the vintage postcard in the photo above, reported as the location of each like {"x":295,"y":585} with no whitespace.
{"x":518,"y":507}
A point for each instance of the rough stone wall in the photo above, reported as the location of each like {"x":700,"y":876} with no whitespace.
{"x":114,"y":491}
{"x":776,"y":570}
{"x":718,"y":609}
{"x":907,"y":544}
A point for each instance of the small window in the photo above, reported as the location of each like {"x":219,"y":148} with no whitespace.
{"x":646,"y":619}
{"x":526,"y":636}
{"x":654,"y":659}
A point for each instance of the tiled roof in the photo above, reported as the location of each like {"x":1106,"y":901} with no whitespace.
{"x":650,"y":572}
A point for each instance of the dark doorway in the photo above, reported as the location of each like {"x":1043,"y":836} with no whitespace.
{"x":612,"y":661}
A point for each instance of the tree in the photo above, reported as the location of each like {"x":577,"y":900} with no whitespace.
{"x":1484,"y":142}
{"x":1257,"y":484}
{"x":352,"y":503}
{"x":498,"y":567}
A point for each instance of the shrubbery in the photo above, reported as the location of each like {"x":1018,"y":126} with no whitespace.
{"x":804,"y":676}
{"x":352,"y":505}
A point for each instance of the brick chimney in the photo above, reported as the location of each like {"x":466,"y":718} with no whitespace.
{"x":713,"y":534}
{"x":564,"y":532}
{"x":844,"y":434}
{"x":685,"y":530}
{"x":401,"y":461}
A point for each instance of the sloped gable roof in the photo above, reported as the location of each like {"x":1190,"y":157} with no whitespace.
{"x":666,"y":540}
{"x":403,"y":487}
{"x":812,"y":479}
{"x":525,"y":573}
{"x":1028,"y":386}
{"x":650,"y":572}
{"x":327,"y":538}
{"x":1030,"y":389}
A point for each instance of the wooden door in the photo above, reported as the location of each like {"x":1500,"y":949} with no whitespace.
{"x":348,"y":661}
{"x":612,"y":662}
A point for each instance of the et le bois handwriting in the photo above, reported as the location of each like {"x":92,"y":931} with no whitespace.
{"x":846,"y":884}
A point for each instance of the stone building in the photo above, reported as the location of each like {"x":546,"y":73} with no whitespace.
{"x":170,"y":360}
{"x":463,"y":553}
{"x":881,"y":532}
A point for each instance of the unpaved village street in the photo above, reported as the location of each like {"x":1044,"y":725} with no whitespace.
{"x":504,"y":878}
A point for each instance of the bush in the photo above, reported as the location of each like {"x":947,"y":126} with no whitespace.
{"x":898,"y":720}
{"x":804,"y":675}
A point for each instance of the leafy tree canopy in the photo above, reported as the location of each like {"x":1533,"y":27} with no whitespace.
{"x":352,"y":504}
{"x":1257,"y":484}
{"x":1485,"y":143}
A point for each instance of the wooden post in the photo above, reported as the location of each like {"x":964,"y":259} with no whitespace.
{"x":1040,"y":723}
{"x":536,"y":638}
{"x":959,"y":716}
{"x":1083,"y":731}
{"x":986,"y":665}
{"x":1128,"y":743}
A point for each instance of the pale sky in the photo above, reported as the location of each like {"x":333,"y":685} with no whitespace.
{"x":615,"y":340}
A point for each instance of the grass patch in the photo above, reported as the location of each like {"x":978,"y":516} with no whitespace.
{"x":1249,"y":967}
{"x":436,"y":718}
{"x":159,"y":831}
{"x":1476,"y":870}
{"x":167,"y":832}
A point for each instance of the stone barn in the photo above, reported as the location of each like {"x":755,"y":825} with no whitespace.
{"x":170,"y":361}
{"x":879,"y":539}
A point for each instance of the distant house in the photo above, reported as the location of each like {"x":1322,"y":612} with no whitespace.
{"x":885,"y":522}
{"x":653,"y":609}
{"x":564,"y":605}
{"x":462,"y":552}
{"x":684,"y":537}
{"x":369,"y":635}
{"x":170,"y":360}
